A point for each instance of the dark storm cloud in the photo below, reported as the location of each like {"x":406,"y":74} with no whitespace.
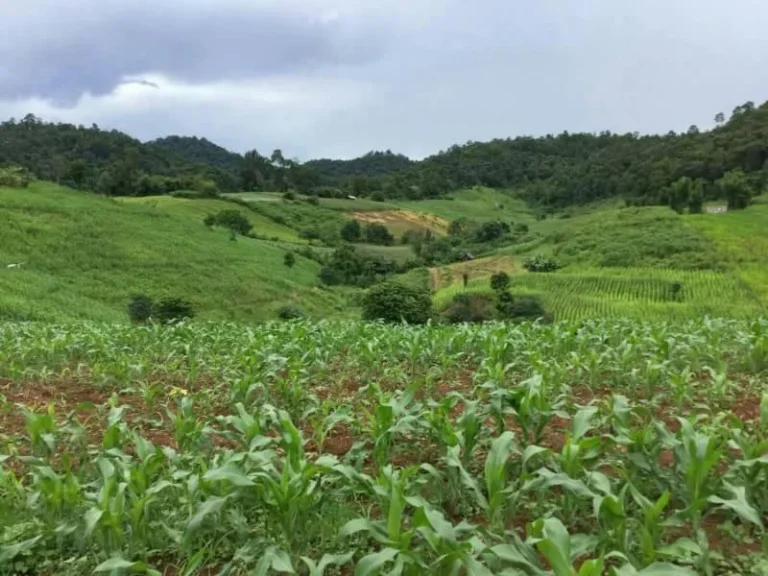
{"x":59,"y":55}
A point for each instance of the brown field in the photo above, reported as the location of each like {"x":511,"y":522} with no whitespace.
{"x":400,"y":221}
{"x":447,"y":275}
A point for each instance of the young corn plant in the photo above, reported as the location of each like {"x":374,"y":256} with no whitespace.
{"x":696,"y":455}
{"x":387,"y":420}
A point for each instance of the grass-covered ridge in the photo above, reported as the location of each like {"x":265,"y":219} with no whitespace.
{"x":83,"y":256}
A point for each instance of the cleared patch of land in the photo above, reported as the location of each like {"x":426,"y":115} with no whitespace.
{"x":400,"y":221}
{"x":480,"y":268}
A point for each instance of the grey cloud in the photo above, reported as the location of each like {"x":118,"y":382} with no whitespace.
{"x":435,"y":72}
{"x":55,"y":55}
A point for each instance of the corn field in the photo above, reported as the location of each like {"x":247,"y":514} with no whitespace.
{"x":637,"y":293}
{"x":574,"y":449}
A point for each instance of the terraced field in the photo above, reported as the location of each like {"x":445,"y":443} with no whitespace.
{"x":629,"y":292}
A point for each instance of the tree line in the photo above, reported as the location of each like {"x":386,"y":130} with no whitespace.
{"x":728,"y":162}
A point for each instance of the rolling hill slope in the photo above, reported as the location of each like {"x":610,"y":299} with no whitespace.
{"x":83,"y":256}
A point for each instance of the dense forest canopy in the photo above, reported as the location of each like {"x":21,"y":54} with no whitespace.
{"x":199,"y":151}
{"x":551,"y":171}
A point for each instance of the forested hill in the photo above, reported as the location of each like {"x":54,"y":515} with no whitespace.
{"x":107,"y":161}
{"x":199,"y":151}
{"x":577,"y":168}
{"x":551,"y":171}
{"x":372,"y":164}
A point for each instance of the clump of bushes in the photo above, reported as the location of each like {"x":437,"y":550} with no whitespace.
{"x":393,"y":302}
{"x":232,"y":219}
{"x":540,"y":264}
{"x":523,"y":308}
{"x":352,"y":268}
{"x":142,"y":309}
{"x":290,"y":312}
{"x":500,"y":282}
{"x":467,"y":307}
{"x":14,"y":177}
{"x":376,"y":233}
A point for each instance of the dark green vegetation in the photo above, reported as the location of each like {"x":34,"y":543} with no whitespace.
{"x":109,"y":162}
{"x":597,"y":448}
{"x":729,"y":162}
{"x":394,"y":302}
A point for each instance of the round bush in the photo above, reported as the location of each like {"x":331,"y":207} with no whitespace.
{"x":290,"y":312}
{"x":471,"y":308}
{"x":394,"y":302}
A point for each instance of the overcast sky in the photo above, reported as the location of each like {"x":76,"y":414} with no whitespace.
{"x":337,"y":78}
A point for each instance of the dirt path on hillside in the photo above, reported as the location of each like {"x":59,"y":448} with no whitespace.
{"x":434,"y":279}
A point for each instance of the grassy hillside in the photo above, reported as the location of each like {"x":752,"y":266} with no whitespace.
{"x":629,"y":237}
{"x":742,"y":239}
{"x":83,"y":256}
{"x":623,"y":262}
{"x":476,"y":203}
{"x":200,"y":208}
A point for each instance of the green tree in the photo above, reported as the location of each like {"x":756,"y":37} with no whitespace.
{"x":735,"y":187}
{"x":251,"y":171}
{"x":375,"y":233}
{"x":679,"y":193}
{"x":500,"y":282}
{"x":696,"y":198}
{"x":392,"y":302}
{"x":105,"y":184}
{"x":351,"y":231}
{"x":140,"y":308}
{"x":231,"y":219}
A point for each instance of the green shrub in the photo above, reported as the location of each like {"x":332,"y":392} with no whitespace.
{"x":393,"y":302}
{"x":14,"y":177}
{"x":232,"y":219}
{"x":140,"y":308}
{"x":500,"y":282}
{"x":329,"y":276}
{"x":172,"y":310}
{"x":522,"y":308}
{"x":290,"y":312}
{"x":351,"y":231}
{"x":378,"y":196}
{"x":470,"y":308}
{"x":207,"y":188}
{"x":540,"y":264}
{"x":490,"y":231}
{"x":376,"y":233}
{"x":289,"y":259}
{"x":289,"y":196}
